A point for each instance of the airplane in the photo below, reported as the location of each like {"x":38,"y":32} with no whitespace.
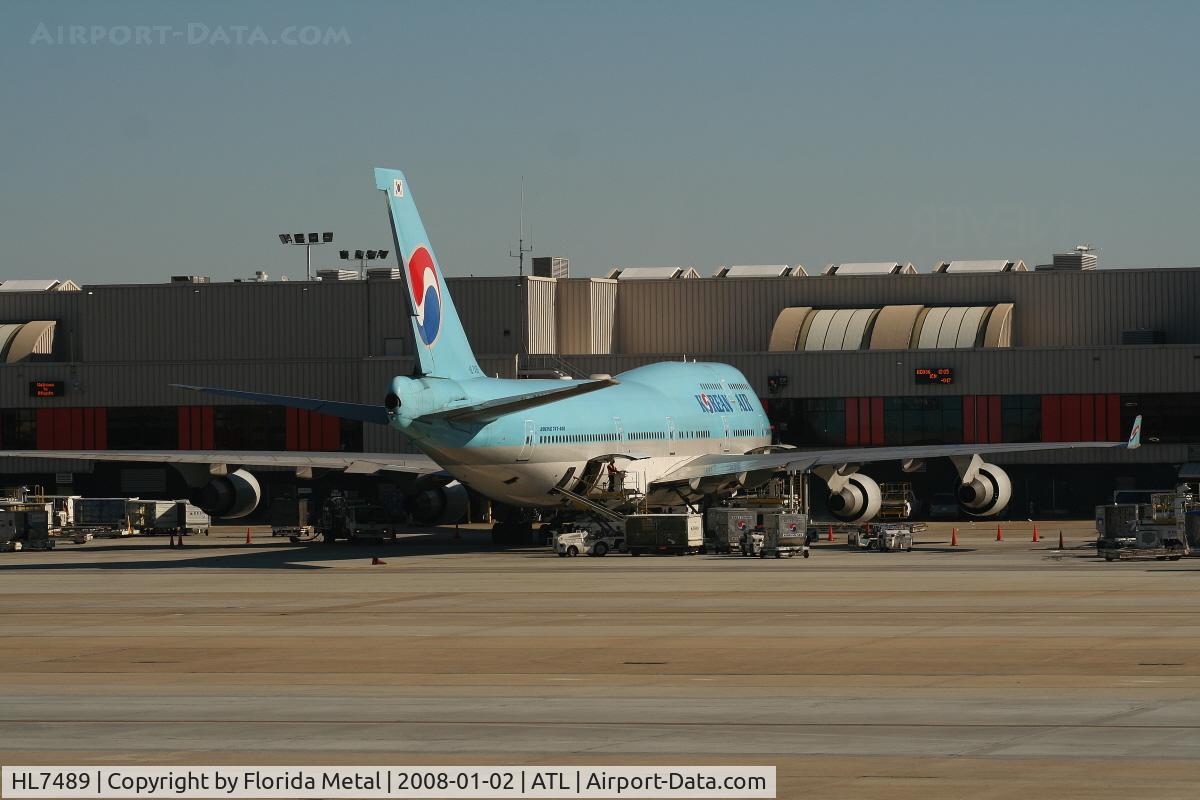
{"x":679,"y":433}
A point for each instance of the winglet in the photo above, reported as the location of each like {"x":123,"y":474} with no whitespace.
{"x":1135,"y":434}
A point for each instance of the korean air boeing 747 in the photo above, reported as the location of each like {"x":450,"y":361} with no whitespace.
{"x":680,"y":432}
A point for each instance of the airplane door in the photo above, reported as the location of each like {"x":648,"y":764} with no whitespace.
{"x":526,"y":442}
{"x":619,"y":430}
{"x":725,"y":438}
{"x":670,"y":435}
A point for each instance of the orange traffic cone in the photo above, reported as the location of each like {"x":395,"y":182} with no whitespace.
{"x":1035,"y":534}
{"x":829,"y":538}
{"x":999,"y":534}
{"x":377,"y":561}
{"x":954,"y":537}
{"x":247,"y":536}
{"x":1060,"y":541}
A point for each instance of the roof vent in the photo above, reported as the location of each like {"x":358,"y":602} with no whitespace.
{"x":870,"y":268}
{"x":652,"y":273}
{"x":983,"y":265}
{"x":336,"y":274}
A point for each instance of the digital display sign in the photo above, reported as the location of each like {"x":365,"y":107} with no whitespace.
{"x":932,"y":375}
{"x":47,"y":388}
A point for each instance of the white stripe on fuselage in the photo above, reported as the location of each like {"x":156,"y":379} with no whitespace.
{"x":490,"y":470}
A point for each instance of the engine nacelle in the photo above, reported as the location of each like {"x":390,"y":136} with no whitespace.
{"x":988,"y":493}
{"x":442,"y":505}
{"x":858,"y":500}
{"x":233,"y":495}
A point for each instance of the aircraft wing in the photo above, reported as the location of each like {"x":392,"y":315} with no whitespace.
{"x":719,"y":464}
{"x":359,"y":463}
{"x":358,"y":411}
{"x":491,"y":409}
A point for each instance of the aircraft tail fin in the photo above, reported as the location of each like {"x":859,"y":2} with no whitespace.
{"x":1135,"y":434}
{"x":438,"y":335}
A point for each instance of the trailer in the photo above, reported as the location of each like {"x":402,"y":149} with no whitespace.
{"x":162,"y":516}
{"x":26,"y":526}
{"x":1142,"y":531}
{"x":670,"y":534}
{"x":106,"y":517}
{"x":1149,"y":542}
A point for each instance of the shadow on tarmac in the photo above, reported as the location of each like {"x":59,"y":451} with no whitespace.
{"x":264,"y":553}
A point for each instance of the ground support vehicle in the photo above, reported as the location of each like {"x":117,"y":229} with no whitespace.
{"x":883,"y":538}
{"x":356,"y":522}
{"x":579,"y":541}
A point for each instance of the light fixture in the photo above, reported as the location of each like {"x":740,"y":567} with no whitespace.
{"x":307,"y":240}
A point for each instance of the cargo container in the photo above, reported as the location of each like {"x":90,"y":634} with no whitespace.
{"x":675,"y":534}
{"x":163,"y":516}
{"x":785,"y":533}
{"x":723,"y":528}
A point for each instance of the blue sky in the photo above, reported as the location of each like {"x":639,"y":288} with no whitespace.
{"x":647,"y":133}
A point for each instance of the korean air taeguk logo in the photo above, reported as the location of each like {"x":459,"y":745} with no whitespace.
{"x":426,"y":294}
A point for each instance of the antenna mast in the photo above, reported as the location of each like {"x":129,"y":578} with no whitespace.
{"x":521,"y":248}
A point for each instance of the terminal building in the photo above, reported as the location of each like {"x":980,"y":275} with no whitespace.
{"x":854,"y":354}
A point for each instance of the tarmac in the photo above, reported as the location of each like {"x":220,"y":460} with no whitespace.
{"x":988,"y":669}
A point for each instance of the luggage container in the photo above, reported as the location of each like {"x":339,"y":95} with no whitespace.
{"x":785,"y":533}
{"x":166,"y":517}
{"x":674,"y":534}
{"x":723,"y":528}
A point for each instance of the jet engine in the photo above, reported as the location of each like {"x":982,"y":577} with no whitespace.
{"x":857,"y":501}
{"x":988,"y":493}
{"x":440,"y":505}
{"x":233,"y":495}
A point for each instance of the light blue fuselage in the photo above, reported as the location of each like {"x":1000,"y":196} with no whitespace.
{"x":655,"y":418}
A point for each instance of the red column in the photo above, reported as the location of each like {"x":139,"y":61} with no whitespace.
{"x":292,"y":441}
{"x":206,"y":427}
{"x":877,"y":420}
{"x":1051,"y":418}
{"x":45,"y":429}
{"x":75,"y":415}
{"x":1087,"y":421}
{"x":1069,"y":419}
{"x":332,"y":439}
{"x":995,"y":420}
{"x":185,"y":428}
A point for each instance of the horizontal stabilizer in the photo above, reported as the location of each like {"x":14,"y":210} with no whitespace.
{"x":358,"y":411}
{"x":491,"y":409}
